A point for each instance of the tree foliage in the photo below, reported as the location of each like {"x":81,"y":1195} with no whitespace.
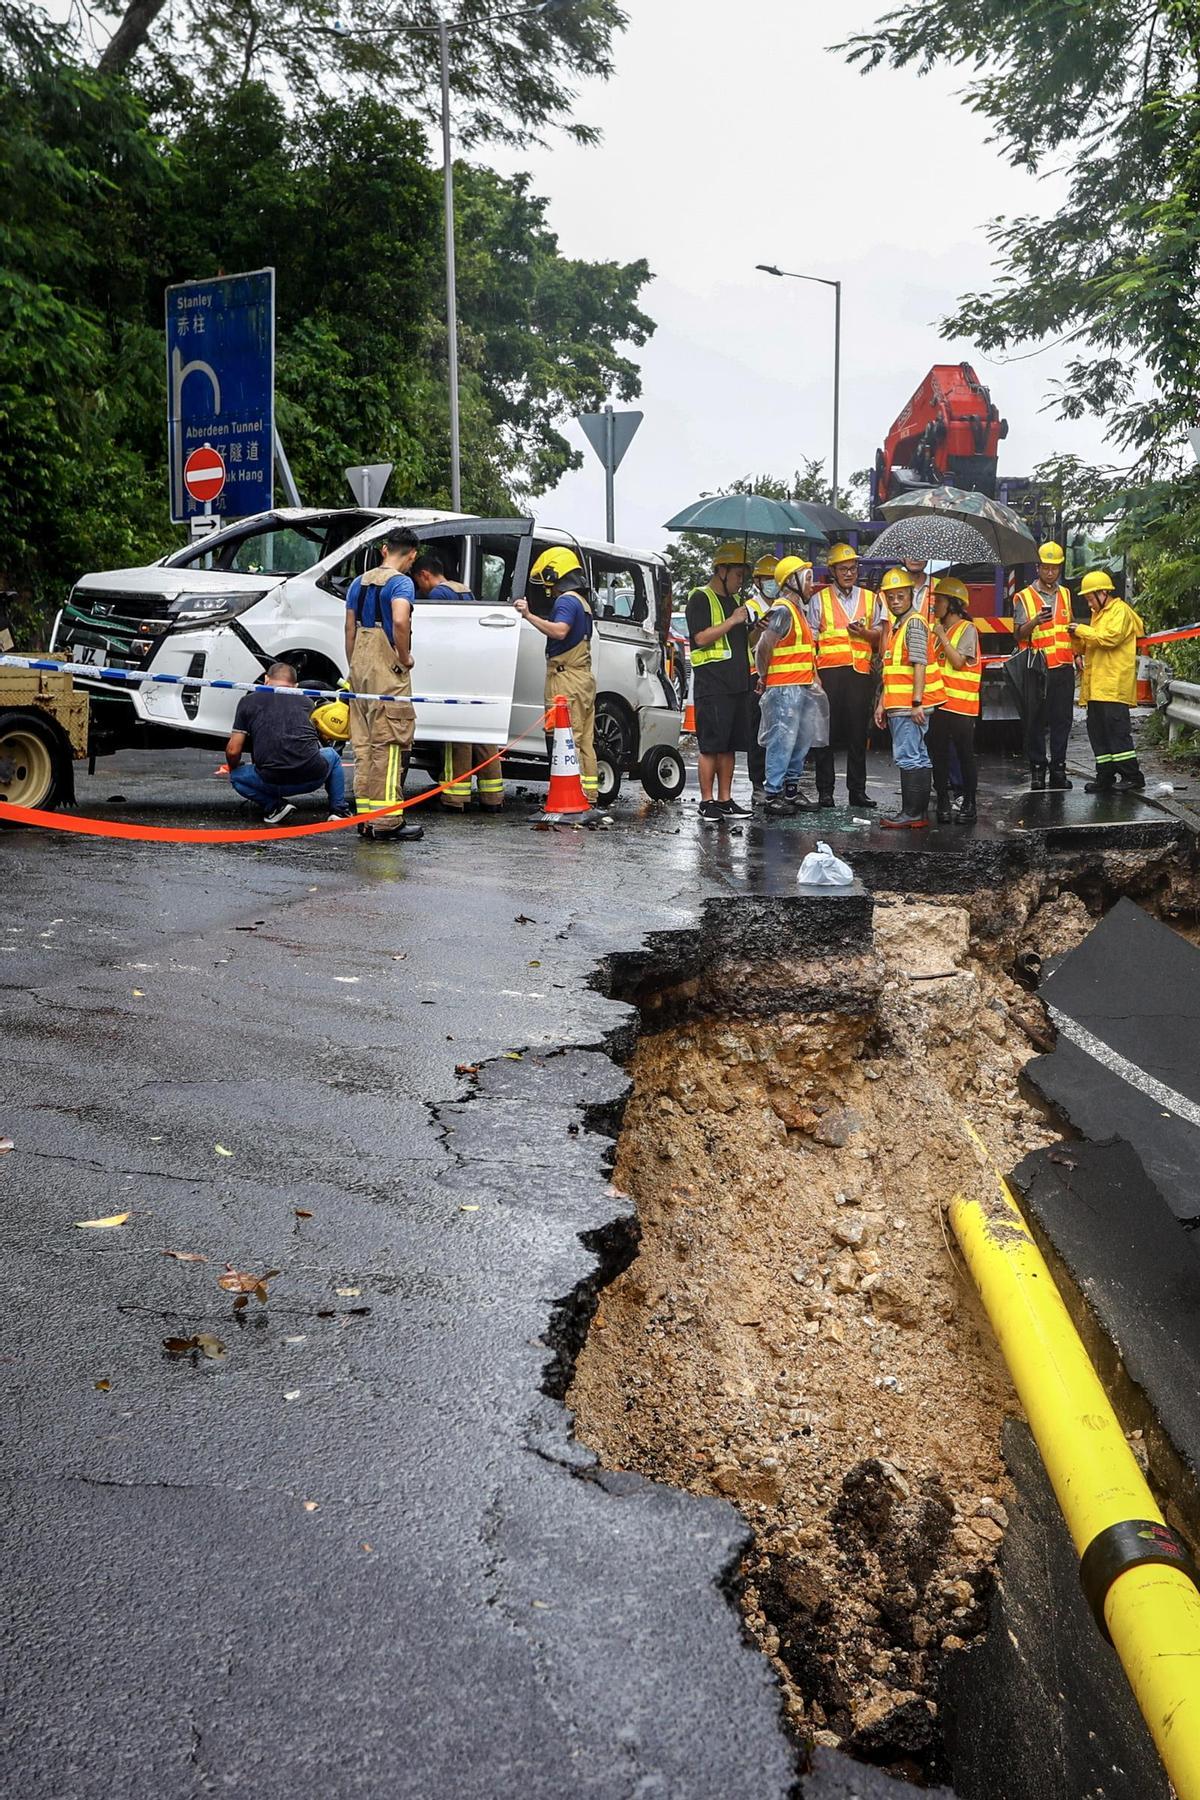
{"x":104,"y":201}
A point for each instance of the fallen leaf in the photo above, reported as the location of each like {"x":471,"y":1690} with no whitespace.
{"x":326,"y":1312}
{"x":466,"y":1068}
{"x":399,"y":955}
{"x":294,"y":1395}
{"x":347,"y":1293}
{"x":311,"y":1505}
{"x":293,"y":1340}
{"x":535,"y":965}
{"x":468,"y":1209}
{"x":366,"y":1547}
{"x":522,"y":919}
{"x":102,"y":1387}
{"x":540,"y":1605}
{"x":204,"y":1341}
{"x":186,"y":1255}
{"x":242,"y":1301}
{"x":348,"y":979}
{"x":96,"y":1224}
{"x":513,"y":1055}
{"x":357,"y":1312}
{"x":138,"y":993}
{"x":238,"y":1281}
{"x":210,"y":1345}
{"x":222,"y":1151}
{"x":302,"y":1212}
{"x":6,"y":1144}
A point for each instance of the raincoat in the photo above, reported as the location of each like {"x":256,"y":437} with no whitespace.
{"x":1110,"y":654}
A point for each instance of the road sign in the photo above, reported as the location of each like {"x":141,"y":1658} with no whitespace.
{"x":204,"y":473}
{"x":221,"y":390}
{"x":1194,"y":441}
{"x":610,"y":435}
{"x":368,"y":480}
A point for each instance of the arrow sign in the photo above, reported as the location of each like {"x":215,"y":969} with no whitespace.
{"x":368,"y":480}
{"x":596,"y":431}
{"x":204,"y":474}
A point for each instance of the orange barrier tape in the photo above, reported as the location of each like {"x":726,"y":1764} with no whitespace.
{"x":161,"y":834}
{"x":1169,"y":637}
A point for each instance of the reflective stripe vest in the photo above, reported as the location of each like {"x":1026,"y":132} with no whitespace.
{"x":898,"y":683}
{"x":722,"y":650}
{"x":836,"y":649}
{"x":1053,"y":638}
{"x":962,"y":685}
{"x":758,"y":608}
{"x":792,"y":661}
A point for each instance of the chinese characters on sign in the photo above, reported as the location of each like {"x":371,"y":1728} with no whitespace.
{"x":221,"y":389}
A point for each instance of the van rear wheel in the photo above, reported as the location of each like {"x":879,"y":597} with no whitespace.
{"x":614,"y":750}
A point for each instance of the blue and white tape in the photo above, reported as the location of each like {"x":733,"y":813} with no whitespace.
{"x":148,"y":677}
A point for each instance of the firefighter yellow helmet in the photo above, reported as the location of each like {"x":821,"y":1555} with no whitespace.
{"x":764,"y":568}
{"x":1051,"y":553}
{"x":1097,"y":581}
{"x":894,"y":579}
{"x":841,"y":553}
{"x":952,"y":588}
{"x":787,"y":566}
{"x":332,"y":721}
{"x":554,"y":565}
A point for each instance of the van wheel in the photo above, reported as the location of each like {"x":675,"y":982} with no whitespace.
{"x":662,"y":774}
{"x":614,"y":751}
{"x":31,"y":761}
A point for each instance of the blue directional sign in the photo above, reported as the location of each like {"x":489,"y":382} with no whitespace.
{"x":221,"y":395}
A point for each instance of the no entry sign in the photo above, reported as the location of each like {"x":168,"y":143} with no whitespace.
{"x":204,"y":474}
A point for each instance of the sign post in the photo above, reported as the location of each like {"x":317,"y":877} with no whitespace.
{"x":610,"y":435}
{"x":368,"y":480}
{"x":221,"y":395}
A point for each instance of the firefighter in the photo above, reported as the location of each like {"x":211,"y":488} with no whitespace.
{"x":1109,"y":686}
{"x":568,"y":630}
{"x":379,"y":653}
{"x":758,"y":605}
{"x":786,"y":666}
{"x":841,"y":615}
{"x":1042,"y":617}
{"x":911,"y":688}
{"x":952,"y":726}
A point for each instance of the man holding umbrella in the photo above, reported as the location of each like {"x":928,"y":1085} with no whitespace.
{"x":1042,"y":617}
{"x":720,"y":653}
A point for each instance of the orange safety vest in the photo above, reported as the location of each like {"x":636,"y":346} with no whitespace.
{"x":1054,"y":639}
{"x":898,"y":681}
{"x":793,"y":663}
{"x":962,"y":685}
{"x":836,"y":649}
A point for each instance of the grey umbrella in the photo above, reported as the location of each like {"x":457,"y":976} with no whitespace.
{"x":930,"y":537}
{"x":1005,"y":530}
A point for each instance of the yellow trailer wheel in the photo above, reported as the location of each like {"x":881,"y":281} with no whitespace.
{"x":28,"y":762}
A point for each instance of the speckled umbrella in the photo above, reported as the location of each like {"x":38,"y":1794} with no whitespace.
{"x":927,"y":537}
{"x":1010,"y":538}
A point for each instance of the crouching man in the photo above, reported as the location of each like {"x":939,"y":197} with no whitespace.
{"x":288,"y":756}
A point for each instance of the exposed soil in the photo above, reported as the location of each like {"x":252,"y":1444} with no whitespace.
{"x":794,"y":1332}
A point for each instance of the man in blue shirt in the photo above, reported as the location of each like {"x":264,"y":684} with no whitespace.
{"x":568,"y":650}
{"x":432,"y":583}
{"x":379,"y":655}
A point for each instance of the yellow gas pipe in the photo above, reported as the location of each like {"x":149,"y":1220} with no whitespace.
{"x":1151,"y":1609}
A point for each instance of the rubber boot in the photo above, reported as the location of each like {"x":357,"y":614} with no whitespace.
{"x":1037,"y":777}
{"x":922,"y":788}
{"x":944,"y":812}
{"x":1102,"y":782}
{"x":1058,"y":776}
{"x":914,"y":801}
{"x":1130,"y":775}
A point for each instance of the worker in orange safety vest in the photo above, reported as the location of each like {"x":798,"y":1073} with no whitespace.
{"x":955,"y":641}
{"x":1042,"y":619}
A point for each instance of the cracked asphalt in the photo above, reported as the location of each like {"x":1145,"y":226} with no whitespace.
{"x":359,"y":1554}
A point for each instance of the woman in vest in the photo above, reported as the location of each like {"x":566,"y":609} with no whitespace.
{"x":1042,"y":618}
{"x":952,"y":727}
{"x":912,"y":686}
{"x":1109,"y":685}
{"x":787,"y":674}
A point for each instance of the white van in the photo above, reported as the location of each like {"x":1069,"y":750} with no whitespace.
{"x":274,"y":586}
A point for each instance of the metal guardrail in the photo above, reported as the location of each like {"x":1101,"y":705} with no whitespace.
{"x":1183,"y":707}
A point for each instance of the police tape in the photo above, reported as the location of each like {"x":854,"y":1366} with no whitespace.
{"x":48,"y":665}
{"x":162,"y":834}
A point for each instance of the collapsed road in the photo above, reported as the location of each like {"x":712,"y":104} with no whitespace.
{"x":360,"y":1548}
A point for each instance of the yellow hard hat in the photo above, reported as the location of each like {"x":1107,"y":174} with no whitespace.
{"x":552,"y":565}
{"x":1051,"y":553}
{"x":787,"y":566}
{"x":1096,"y":581}
{"x":332,"y":721}
{"x":764,"y":568}
{"x":953,"y":588}
{"x":841,"y":553}
{"x":731,"y":556}
{"x":895,"y":579}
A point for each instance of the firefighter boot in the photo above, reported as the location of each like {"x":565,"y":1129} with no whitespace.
{"x":1101,"y":782}
{"x":1058,"y":776}
{"x":1130,"y":775}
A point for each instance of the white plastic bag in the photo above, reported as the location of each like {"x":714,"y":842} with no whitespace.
{"x":821,"y":868}
{"x":819,"y":718}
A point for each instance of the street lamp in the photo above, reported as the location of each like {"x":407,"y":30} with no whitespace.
{"x":822,"y":281}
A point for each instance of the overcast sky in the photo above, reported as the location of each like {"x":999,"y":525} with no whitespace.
{"x":732,"y":137}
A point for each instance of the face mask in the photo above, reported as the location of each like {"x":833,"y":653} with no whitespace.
{"x":770,"y":589}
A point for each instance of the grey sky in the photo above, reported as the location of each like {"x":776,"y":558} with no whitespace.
{"x":732,"y":137}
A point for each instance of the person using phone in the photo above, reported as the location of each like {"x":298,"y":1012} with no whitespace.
{"x":1042,"y":616}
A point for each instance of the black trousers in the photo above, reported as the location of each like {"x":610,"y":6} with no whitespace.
{"x":1110,"y":733}
{"x":851,"y":699}
{"x":957,"y":730}
{"x":1053,"y":718}
{"x":756,"y":755}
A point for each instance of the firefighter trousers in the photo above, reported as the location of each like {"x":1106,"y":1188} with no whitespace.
{"x":457,"y":760}
{"x":571,"y":676}
{"x":380,"y":731}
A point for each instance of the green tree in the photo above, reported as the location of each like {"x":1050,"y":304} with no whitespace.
{"x":688,"y":558}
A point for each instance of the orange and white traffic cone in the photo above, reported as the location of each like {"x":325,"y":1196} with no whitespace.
{"x":1145,"y":687}
{"x":689,"y":711}
{"x":566,"y":798}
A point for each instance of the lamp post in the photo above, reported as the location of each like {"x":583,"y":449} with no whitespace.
{"x":822,"y":281}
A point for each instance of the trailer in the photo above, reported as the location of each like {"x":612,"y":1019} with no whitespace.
{"x":43,"y":731}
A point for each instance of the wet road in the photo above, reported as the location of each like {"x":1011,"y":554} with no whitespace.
{"x":359,"y":1553}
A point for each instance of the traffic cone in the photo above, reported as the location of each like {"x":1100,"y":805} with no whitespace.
{"x":566,"y":798}
{"x":689,"y":711}
{"x":1145,"y":687}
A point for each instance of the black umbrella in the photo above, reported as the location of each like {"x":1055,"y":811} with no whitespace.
{"x":1026,"y":670}
{"x":929,"y":537}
